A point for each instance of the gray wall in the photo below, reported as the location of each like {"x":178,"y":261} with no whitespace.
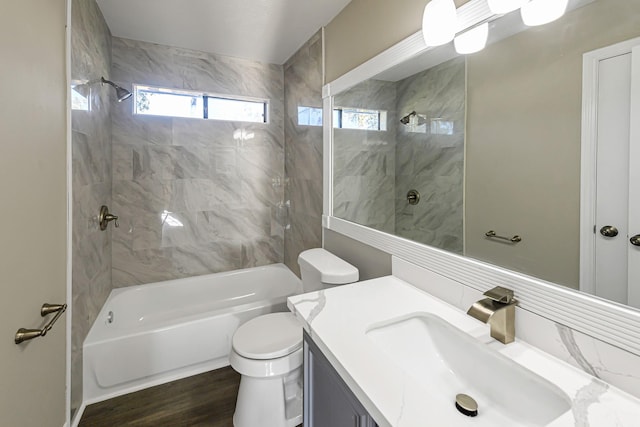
{"x":431,"y":163}
{"x":33,"y":188}
{"x":91,"y":169}
{"x":371,"y":262}
{"x":364,"y":28}
{"x":523,"y":177}
{"x":224,"y":190}
{"x":303,"y":152}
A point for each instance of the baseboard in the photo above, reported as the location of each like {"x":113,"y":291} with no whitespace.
{"x":78,"y":415}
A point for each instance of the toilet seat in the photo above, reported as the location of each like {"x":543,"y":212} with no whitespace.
{"x":267,"y":368}
{"x":267,"y":337}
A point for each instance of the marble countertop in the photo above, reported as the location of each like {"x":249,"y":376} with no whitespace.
{"x":337,"y":320}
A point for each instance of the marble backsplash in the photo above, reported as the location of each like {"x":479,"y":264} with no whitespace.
{"x":195,"y":196}
{"x":91,"y":178}
{"x":604,"y":361}
{"x":303,"y":152}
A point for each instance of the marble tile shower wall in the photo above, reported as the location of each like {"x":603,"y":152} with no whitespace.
{"x":195,"y":196}
{"x":303,"y":152}
{"x":91,"y":175}
{"x":365,"y":161}
{"x":429,"y":162}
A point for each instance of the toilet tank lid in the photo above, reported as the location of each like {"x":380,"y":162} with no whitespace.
{"x":333,"y":270}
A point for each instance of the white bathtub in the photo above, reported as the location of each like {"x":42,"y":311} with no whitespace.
{"x":169,"y":330}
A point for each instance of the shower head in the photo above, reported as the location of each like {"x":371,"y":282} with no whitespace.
{"x":405,"y":119}
{"x":121,"y":93}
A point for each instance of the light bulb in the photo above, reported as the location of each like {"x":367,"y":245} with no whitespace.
{"x":472,"y":41}
{"x":540,"y":12}
{"x":439,"y":22}
{"x":500,"y":7}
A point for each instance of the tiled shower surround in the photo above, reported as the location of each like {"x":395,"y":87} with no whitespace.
{"x":429,"y":162}
{"x":195,"y":196}
{"x":374,"y":170}
{"x":91,"y":179}
{"x":303,"y":151}
{"x":364,"y":161}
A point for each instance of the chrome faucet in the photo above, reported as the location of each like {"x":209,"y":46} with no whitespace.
{"x":499,"y":311}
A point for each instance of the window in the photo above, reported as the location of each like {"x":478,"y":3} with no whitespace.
{"x":356,"y":118}
{"x":309,"y":116}
{"x":441,"y":127}
{"x":345,"y":118}
{"x":176,"y":103}
{"x":80,"y":96}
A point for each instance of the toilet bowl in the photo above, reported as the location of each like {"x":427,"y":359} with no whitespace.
{"x":267,"y":351}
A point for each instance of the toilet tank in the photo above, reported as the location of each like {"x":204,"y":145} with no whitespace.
{"x":321,"y":269}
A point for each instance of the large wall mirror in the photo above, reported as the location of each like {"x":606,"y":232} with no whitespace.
{"x":481,"y":155}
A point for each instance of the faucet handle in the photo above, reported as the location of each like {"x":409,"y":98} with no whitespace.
{"x":500,"y":294}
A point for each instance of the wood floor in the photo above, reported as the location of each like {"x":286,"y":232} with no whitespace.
{"x":207,"y":399}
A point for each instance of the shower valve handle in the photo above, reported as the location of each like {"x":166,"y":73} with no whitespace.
{"x":105,"y":218}
{"x":109,"y":218}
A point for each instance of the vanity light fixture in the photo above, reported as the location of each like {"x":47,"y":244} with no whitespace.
{"x":439,"y":22}
{"x":540,"y":12}
{"x":500,"y":7}
{"x":473,"y":40}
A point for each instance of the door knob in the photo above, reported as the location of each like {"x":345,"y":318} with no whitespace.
{"x":609,"y":231}
{"x":635,"y":240}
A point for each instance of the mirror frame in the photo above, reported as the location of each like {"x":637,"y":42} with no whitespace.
{"x":607,"y":321}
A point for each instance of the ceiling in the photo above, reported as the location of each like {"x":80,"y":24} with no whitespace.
{"x":262,"y":30}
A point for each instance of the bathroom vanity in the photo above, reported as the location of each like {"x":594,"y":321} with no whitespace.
{"x":445,"y":128}
{"x":328,"y":401}
{"x":385,"y":352}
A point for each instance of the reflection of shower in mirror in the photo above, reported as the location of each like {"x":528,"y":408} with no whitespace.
{"x":417,"y":123}
{"x":405,"y":120}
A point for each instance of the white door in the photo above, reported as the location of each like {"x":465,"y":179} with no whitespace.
{"x":612,"y":171}
{"x":634,"y":188}
{"x":616,"y":259}
{"x":33,"y":210}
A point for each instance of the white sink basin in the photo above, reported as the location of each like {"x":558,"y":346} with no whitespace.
{"x":445,"y":362}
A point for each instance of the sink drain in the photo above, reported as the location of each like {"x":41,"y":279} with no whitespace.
{"x":466,"y":405}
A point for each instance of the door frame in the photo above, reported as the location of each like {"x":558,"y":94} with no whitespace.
{"x":69,"y":298}
{"x":588,"y":156}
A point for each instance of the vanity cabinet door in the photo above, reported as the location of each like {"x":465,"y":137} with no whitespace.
{"x":328,"y":402}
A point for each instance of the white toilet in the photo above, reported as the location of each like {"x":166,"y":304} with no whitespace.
{"x":267,"y":351}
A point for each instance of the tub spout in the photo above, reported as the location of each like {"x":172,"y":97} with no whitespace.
{"x":499,"y":311}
